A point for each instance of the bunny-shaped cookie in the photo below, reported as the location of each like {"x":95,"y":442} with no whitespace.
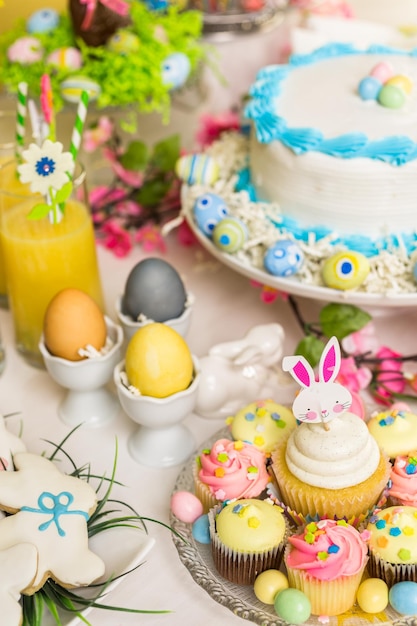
{"x":319,"y":401}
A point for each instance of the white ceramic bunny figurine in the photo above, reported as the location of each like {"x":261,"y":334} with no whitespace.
{"x":319,"y":401}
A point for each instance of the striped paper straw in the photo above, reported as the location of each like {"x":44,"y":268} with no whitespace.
{"x":77,"y":132}
{"x":22,"y":94}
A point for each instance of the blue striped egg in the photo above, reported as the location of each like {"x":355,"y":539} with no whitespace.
{"x":230,"y":234}
{"x":175,"y":70}
{"x":42,"y":21}
{"x":209,"y":209}
{"x":197,"y":168}
{"x":71,"y":88}
{"x":283,"y":258}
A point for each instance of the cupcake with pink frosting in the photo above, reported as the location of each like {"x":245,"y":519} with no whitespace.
{"x":326,"y":561}
{"x":229,"y":470}
{"x":402,"y":486}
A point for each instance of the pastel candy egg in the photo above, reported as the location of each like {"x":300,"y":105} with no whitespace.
{"x":382,"y":71}
{"x":175,"y":70}
{"x":268,"y":584}
{"x":71,"y":88}
{"x":402,"y":82}
{"x":25,"y":50}
{"x":391,"y":97}
{"x":42,"y":21}
{"x":293,"y":606}
{"x":209,"y":209}
{"x":284,"y":258}
{"x":345,"y":270}
{"x":403,"y":597}
{"x":369,"y":88}
{"x":200,"y":529}
{"x":372,"y":595}
{"x":186,"y":506}
{"x":123,"y":42}
{"x":66,"y":58}
{"x":415,"y":271}
{"x":197,"y":168}
{"x":230,"y":234}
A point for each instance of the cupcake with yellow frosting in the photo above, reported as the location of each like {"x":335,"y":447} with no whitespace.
{"x":247,"y":537}
{"x":393,"y":544}
{"x":395,"y":431}
{"x":326,"y":561}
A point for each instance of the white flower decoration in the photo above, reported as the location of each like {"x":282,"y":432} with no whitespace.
{"x":46,"y":166}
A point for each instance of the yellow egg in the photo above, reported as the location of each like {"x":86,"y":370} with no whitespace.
{"x":158,"y":361}
{"x":268,"y":584}
{"x":72,"y":321}
{"x":345,"y":270}
{"x":401,"y":81}
{"x":372,"y":595}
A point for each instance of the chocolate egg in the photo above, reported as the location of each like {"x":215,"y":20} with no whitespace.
{"x":65,"y":58}
{"x":42,"y":21}
{"x":345,"y":270}
{"x":209,"y":209}
{"x":284,"y":258}
{"x":154,"y":289}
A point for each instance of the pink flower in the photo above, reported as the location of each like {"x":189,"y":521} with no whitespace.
{"x":353,"y":377}
{"x":98,"y":135}
{"x":128,"y":208}
{"x":185,"y":235}
{"x":269,"y":294}
{"x":115,"y":238}
{"x":363,"y":340}
{"x":212,"y":126}
{"x":151,"y":239}
{"x":132,"y":178}
{"x":331,"y":7}
{"x":389,"y":377}
{"x":101,"y":195}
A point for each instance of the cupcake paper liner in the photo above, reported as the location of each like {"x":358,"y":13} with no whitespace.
{"x":391,"y":573}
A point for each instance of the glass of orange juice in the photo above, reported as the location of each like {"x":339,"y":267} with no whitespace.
{"x":41,"y":258}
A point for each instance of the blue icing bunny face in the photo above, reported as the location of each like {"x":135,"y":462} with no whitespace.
{"x":209,"y":209}
{"x":42,"y":21}
{"x":175,"y":70}
{"x":284,"y":258}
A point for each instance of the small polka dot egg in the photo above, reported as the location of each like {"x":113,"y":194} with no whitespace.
{"x":268,"y":584}
{"x":42,"y":21}
{"x":123,"y":42}
{"x":25,"y":50}
{"x":72,"y":322}
{"x":403,"y":597}
{"x":197,"y":168}
{"x":175,"y":70}
{"x":209,"y":209}
{"x":345,"y":270}
{"x":284,"y":258}
{"x":154,"y":289}
{"x":186,"y":506}
{"x":158,"y":361}
{"x":230,"y":234}
{"x":65,"y":58}
{"x":293,"y":606}
{"x":71,"y":88}
{"x":372,"y":595}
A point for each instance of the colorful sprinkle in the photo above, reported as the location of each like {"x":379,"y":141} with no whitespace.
{"x":408,"y":531}
{"x":322,"y":556}
{"x":395,"y":531}
{"x":238,"y":445}
{"x":309,"y":538}
{"x":219,"y":472}
{"x":404,"y":554}
{"x":333,"y":549}
{"x":382,"y":542}
{"x":253,"y":522}
{"x":259,"y":441}
{"x":381,"y":523}
{"x":249,"y":417}
{"x":222,"y":457}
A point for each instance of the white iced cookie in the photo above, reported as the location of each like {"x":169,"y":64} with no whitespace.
{"x":10,"y":444}
{"x":18,"y":566}
{"x":51,"y":512}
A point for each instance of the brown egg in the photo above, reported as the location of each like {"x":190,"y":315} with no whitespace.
{"x":72,"y":321}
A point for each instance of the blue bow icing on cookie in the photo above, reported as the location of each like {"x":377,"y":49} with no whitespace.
{"x":60,"y":504}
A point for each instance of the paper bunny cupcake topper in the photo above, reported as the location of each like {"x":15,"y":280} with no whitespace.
{"x":319,"y":401}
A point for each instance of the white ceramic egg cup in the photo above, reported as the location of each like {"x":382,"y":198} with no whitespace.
{"x":181,"y":324}
{"x":161,"y":440}
{"x":88,"y":401}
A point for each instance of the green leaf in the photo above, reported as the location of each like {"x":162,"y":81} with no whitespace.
{"x":152,"y":192}
{"x":166,"y":153}
{"x":311,"y":348}
{"x":39,"y":211}
{"x":64,"y":193}
{"x":341,"y":320}
{"x":136,"y":156}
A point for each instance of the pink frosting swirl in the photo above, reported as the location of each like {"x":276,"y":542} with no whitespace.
{"x":404,"y":480}
{"x":233,"y":469}
{"x":327,"y":549}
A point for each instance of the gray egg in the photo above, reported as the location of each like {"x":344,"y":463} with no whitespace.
{"x":154,"y":289}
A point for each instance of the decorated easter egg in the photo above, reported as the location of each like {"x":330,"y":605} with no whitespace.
{"x":415,"y":271}
{"x":284,"y":258}
{"x":382,"y":71}
{"x":268,"y":584}
{"x":158,"y":361}
{"x":25,"y":50}
{"x":65,"y":58}
{"x":293,"y":606}
{"x":42,"y":21}
{"x":209,"y":209}
{"x":372,"y":595}
{"x":123,"y":42}
{"x":157,"y":5}
{"x":175,"y":70}
{"x":345,"y":270}
{"x":72,"y":87}
{"x":154,"y":289}
{"x":402,"y":82}
{"x":186,"y":506}
{"x":201,"y":530}
{"x":230,"y":234}
{"x":197,"y":168}
{"x":403,"y":597}
{"x":391,"y":96}
{"x":369,"y":88}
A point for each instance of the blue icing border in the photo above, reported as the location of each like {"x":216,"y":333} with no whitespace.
{"x":395,"y":149}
